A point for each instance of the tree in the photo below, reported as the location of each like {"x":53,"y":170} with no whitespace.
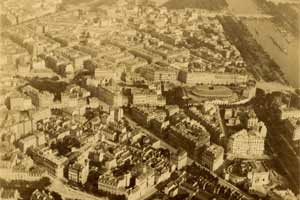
{"x":89,"y":114}
{"x":56,"y":195}
{"x":43,"y":183}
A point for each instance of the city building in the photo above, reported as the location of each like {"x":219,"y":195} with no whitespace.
{"x":37,"y":139}
{"x":144,"y":115}
{"x":39,"y":99}
{"x":58,"y":64}
{"x":211,"y":78}
{"x":20,"y":102}
{"x":180,"y":159}
{"x":40,"y":114}
{"x":171,"y":189}
{"x":39,"y":44}
{"x":292,"y":126}
{"x":111,"y":184}
{"x":76,"y":57}
{"x":137,"y":102}
{"x":213,"y":157}
{"x":169,"y":52}
{"x":157,"y":73}
{"x":104,"y":75}
{"x":9,"y":194}
{"x":38,"y":64}
{"x":18,"y":123}
{"x":285,"y":113}
{"x":12,"y":55}
{"x":246,"y":144}
{"x":146,"y":97}
{"x":112,"y":95}
{"x":145,"y":54}
{"x":189,"y":135}
{"x":256,"y":178}
{"x":41,"y":195}
{"x":98,"y":51}
{"x":27,"y":142}
{"x":53,"y":163}
{"x":279,"y":193}
{"x":116,"y":114}
{"x":97,"y":155}
{"x":78,"y":172}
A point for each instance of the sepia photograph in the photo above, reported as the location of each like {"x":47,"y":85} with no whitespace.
{"x":149,"y":99}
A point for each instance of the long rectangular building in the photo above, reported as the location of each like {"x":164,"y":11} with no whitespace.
{"x":211,"y":78}
{"x":157,"y":73}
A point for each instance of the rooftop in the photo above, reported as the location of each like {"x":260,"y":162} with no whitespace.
{"x":214,"y":150}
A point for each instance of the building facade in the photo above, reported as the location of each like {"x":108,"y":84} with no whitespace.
{"x":246,"y":143}
{"x":78,"y":172}
{"x":213,"y":157}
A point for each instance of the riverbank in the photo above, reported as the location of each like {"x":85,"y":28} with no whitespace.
{"x":259,"y":63}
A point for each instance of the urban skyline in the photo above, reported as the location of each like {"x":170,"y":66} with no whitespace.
{"x":150,"y":99}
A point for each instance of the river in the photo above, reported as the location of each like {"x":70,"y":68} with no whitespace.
{"x":263,"y":30}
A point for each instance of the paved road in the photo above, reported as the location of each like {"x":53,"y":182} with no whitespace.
{"x":68,"y":192}
{"x":274,"y":87}
{"x":148,"y":193}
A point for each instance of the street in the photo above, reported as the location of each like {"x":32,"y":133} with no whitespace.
{"x":68,"y":192}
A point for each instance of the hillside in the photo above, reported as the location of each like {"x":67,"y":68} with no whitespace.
{"x":201,"y":4}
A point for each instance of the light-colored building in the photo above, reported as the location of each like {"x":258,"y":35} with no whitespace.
{"x":157,"y":73}
{"x":211,"y":78}
{"x":104,"y":75}
{"x":171,"y":189}
{"x":53,"y":163}
{"x":59,"y":64}
{"x":213,"y":157}
{"x":116,"y":114}
{"x":285,"y":113}
{"x":18,"y":123}
{"x":40,"y":114}
{"x":78,"y":172}
{"x":180,"y":159}
{"x":252,"y":122}
{"x":293,"y":128}
{"x":38,"y":64}
{"x":145,"y":96}
{"x":37,"y":139}
{"x":12,"y":55}
{"x":111,"y":184}
{"x":144,"y":115}
{"x":146,"y":179}
{"x":39,"y":99}
{"x":96,"y":156}
{"x":281,"y":194}
{"x":112,"y":95}
{"x":27,"y":142}
{"x":38,"y":195}
{"x":77,"y":58}
{"x":18,"y":101}
{"x":9,"y":194}
{"x":145,"y":54}
{"x":258,"y":178}
{"x":246,"y":144}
